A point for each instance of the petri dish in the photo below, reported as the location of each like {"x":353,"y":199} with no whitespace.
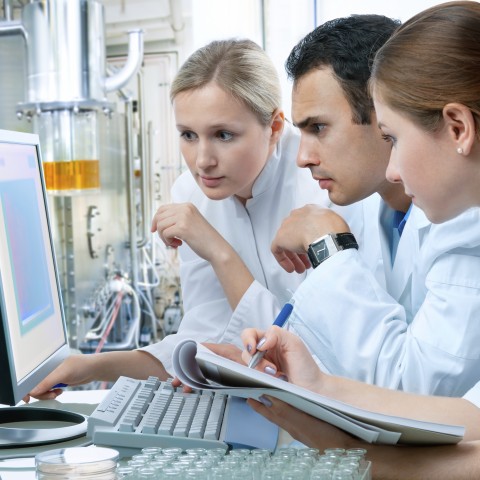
{"x":77,"y":463}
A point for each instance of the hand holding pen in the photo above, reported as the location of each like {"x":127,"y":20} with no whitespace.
{"x":287,"y":358}
{"x":280,"y":321}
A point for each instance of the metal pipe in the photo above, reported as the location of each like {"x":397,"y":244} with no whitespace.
{"x":12,"y":28}
{"x":7,"y":10}
{"x":145,"y":168}
{"x":132,"y":211}
{"x":176,"y":20}
{"x":134,"y":60}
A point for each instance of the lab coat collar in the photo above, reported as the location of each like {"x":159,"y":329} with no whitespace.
{"x":272,"y":173}
{"x":398,"y":275}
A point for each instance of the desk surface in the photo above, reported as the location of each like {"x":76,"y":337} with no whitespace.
{"x":19,"y":463}
{"x":22,"y":466}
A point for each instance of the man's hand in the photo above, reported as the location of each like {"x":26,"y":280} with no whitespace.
{"x":302,"y":227}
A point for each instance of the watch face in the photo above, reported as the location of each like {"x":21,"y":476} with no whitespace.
{"x":328,"y":245}
{"x":320,"y":250}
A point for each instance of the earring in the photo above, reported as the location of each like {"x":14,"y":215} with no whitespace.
{"x":460,"y":150}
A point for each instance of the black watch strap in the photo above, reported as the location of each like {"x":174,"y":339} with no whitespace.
{"x":346,"y":240}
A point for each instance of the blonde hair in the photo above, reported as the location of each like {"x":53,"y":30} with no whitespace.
{"x":433,"y":59}
{"x":239,"y":67}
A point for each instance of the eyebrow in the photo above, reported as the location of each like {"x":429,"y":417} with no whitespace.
{"x":219,"y":126}
{"x":307,"y":121}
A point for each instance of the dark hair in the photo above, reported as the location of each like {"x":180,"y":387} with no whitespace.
{"x":432,"y":60}
{"x":347,"y":45}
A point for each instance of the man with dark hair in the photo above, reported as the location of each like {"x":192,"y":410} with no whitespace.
{"x":414,"y":329}
{"x":347,"y":46}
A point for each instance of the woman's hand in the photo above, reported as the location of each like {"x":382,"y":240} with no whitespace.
{"x":74,"y":370}
{"x":302,"y":427}
{"x":286,"y":356}
{"x":182,"y":222}
{"x":226,"y":350}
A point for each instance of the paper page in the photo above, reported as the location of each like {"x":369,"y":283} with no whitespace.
{"x":186,"y":367}
{"x":238,"y":379}
{"x":232,"y":373}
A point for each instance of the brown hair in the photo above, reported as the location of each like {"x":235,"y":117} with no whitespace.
{"x":239,"y":67}
{"x":433,"y":59}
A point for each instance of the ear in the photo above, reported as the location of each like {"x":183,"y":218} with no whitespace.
{"x":460,"y":126}
{"x":277,"y":123}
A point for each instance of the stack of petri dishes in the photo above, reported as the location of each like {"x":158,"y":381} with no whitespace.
{"x":77,"y":464}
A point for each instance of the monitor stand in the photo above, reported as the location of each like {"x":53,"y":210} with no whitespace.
{"x":25,"y":426}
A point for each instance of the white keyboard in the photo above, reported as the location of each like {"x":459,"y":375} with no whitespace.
{"x":145,"y":413}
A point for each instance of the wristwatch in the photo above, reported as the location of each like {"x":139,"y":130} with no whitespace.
{"x":326,"y":246}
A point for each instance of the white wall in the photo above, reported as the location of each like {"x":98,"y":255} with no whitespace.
{"x":217,"y":19}
{"x":287,"y":21}
{"x":400,"y":9}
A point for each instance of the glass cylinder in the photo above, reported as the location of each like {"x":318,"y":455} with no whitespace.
{"x":70,"y":150}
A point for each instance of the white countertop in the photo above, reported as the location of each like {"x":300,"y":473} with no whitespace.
{"x":19,"y":463}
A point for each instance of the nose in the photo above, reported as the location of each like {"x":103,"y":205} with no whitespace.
{"x":307,"y":155}
{"x":392,"y":173}
{"x":205,"y":157}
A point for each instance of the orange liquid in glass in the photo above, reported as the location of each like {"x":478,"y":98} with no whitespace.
{"x":72,"y":175}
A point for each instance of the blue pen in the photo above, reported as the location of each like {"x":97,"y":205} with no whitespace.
{"x":280,"y":321}
{"x":60,"y":385}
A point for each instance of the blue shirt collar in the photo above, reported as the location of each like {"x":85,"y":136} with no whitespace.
{"x":400,"y":218}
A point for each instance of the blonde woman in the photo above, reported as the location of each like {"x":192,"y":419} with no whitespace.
{"x":242,"y":180}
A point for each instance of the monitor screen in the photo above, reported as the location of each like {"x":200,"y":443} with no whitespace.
{"x":33,"y":337}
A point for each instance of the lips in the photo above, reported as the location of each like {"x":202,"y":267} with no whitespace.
{"x":211,"y":182}
{"x":325,"y":183}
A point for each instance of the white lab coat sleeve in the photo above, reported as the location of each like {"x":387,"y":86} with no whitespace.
{"x":195,"y":326}
{"x":213,"y":322}
{"x":358,"y":330}
{"x":473,"y":395}
{"x":344,"y":316}
{"x":257,"y":308}
{"x":207,"y":311}
{"x":445,"y":346}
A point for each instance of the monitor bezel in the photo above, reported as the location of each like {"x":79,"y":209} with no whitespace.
{"x":11,"y":391}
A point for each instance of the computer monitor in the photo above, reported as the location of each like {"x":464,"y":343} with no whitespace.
{"x":33,"y":335}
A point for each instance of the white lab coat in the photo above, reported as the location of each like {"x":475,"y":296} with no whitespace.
{"x":423,"y":335}
{"x":473,"y":395}
{"x":250,"y":229}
